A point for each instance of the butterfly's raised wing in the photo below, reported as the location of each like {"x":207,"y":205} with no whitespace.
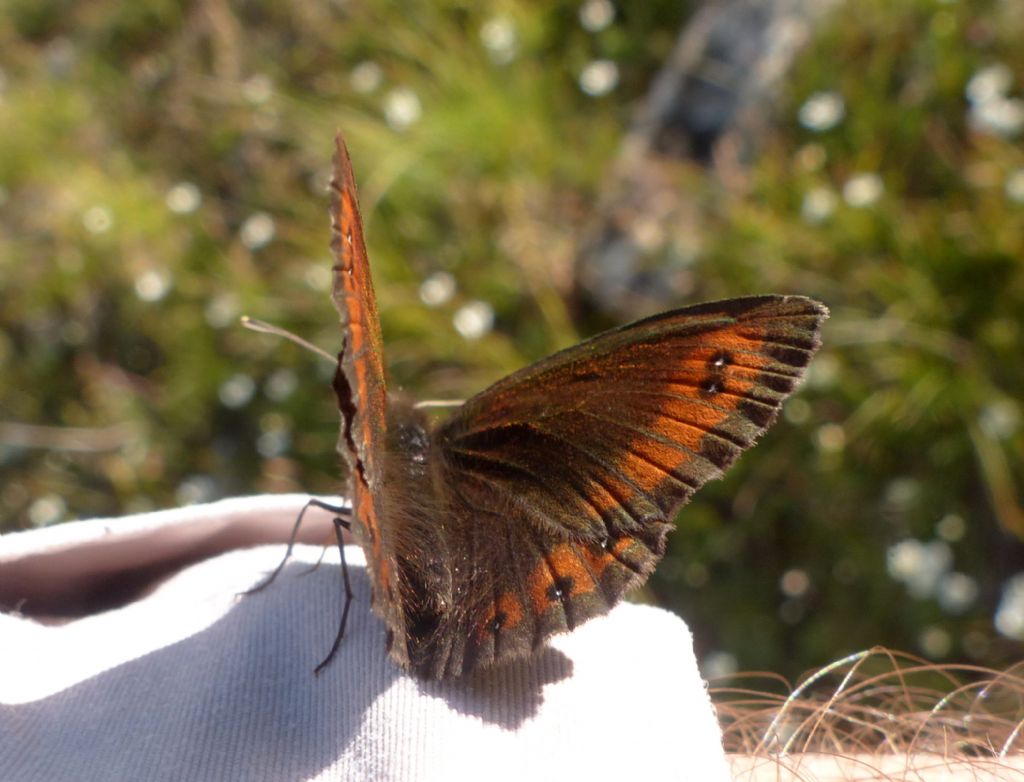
{"x":359,"y":379}
{"x":570,"y":471}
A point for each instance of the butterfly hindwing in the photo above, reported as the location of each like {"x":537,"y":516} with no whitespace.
{"x":542,"y":588}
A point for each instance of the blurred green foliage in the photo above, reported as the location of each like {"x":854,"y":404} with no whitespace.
{"x":163,"y":169}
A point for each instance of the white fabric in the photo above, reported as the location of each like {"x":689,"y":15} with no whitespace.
{"x":190,"y":681}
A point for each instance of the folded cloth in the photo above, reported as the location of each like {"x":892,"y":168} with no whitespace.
{"x":128,"y":653}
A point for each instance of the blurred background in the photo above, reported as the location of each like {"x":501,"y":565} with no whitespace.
{"x":531,"y":173}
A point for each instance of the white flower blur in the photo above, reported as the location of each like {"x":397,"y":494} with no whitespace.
{"x":1000,"y":117}
{"x":1000,"y":419}
{"x":956,"y":592}
{"x":366,"y":77}
{"x":97,"y":220}
{"x":222,"y":310}
{"x":863,"y":190}
{"x":822,"y":111}
{"x":831,"y":438}
{"x":991,"y":82}
{"x":152,"y":284}
{"x":437,"y":289}
{"x":935,"y":642}
{"x":402,"y":108}
{"x":717,"y":665}
{"x":318,"y":276}
{"x":596,"y":15}
{"x":474,"y":320}
{"x":195,"y":488}
{"x":920,"y":566}
{"x":236,"y":391}
{"x":257,"y":230}
{"x":281,"y":384}
{"x":273,"y":443}
{"x":818,"y":205}
{"x":257,"y":89}
{"x":1009,"y":619}
{"x":182,"y":198}
{"x":992,"y":109}
{"x":1015,"y":186}
{"x":599,"y":77}
{"x":499,"y":37}
{"x":795,"y":582}
{"x":48,"y":509}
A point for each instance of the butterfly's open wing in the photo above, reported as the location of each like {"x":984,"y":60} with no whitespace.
{"x":359,"y":379}
{"x":572,"y":469}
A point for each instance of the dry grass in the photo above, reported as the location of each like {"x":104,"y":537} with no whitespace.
{"x":877,"y":714}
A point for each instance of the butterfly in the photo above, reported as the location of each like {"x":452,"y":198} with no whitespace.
{"x":540,"y":501}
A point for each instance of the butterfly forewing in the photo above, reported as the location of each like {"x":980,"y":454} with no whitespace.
{"x":359,"y":378}
{"x":640,"y":416}
{"x":361,"y":360}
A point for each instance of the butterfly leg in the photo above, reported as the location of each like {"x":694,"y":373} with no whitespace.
{"x":335,"y":509}
{"x":340,"y":524}
{"x":319,"y":560}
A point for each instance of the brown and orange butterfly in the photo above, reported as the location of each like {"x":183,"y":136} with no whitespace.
{"x":538,"y":502}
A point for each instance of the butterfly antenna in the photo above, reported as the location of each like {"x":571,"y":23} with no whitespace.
{"x":267,"y":328}
{"x":428,"y":403}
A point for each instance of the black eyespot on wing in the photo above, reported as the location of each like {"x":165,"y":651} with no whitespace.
{"x":560,"y":587}
{"x":497,"y":622}
{"x":720,"y":360}
{"x":710,"y":386}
